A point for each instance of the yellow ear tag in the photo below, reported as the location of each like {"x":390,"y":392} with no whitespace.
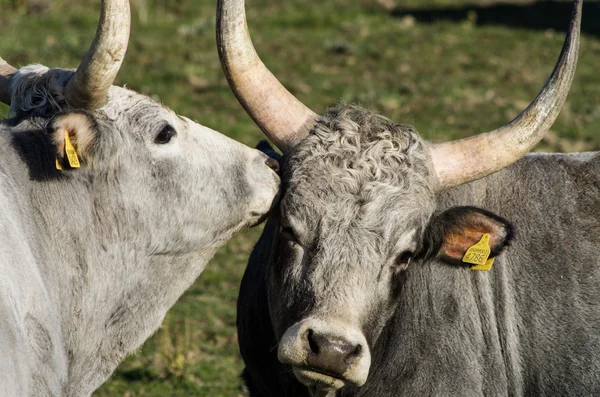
{"x":71,"y":153}
{"x":486,"y":267}
{"x":479,"y":253}
{"x":58,"y":167}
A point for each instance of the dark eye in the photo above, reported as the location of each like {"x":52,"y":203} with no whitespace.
{"x":403,"y":260}
{"x":165,"y":135}
{"x":288,"y":233}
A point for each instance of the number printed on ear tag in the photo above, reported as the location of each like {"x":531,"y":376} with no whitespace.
{"x":486,"y":267}
{"x":71,"y":153}
{"x":479,"y":253}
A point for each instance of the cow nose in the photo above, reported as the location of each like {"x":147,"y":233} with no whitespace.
{"x":273,"y":164}
{"x":332,"y":351}
{"x":331,"y":354}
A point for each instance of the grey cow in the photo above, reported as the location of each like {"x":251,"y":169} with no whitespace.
{"x":92,"y":257}
{"x":357,"y":286}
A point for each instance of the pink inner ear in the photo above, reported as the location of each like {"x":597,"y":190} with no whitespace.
{"x":459,"y":239}
{"x":81,"y":133}
{"x":458,"y":242}
{"x":59,"y":141}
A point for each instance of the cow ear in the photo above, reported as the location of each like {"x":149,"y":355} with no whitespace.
{"x":73,"y":131}
{"x":451,"y":233}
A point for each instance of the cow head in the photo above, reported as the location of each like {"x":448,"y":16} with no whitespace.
{"x":152,"y":170}
{"x":359,"y":206}
{"x":357,"y":209}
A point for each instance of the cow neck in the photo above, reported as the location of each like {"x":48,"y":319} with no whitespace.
{"x":112,"y":296}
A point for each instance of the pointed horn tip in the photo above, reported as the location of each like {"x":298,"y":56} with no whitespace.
{"x":278,"y":113}
{"x":456,"y":162}
{"x":88,"y":87}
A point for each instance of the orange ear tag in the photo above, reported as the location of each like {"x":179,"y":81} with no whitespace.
{"x":71,"y":153}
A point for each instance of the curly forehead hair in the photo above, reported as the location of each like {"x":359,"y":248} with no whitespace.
{"x":362,"y":147}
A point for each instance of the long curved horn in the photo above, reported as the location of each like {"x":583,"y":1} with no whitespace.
{"x":282,"y":117}
{"x":88,"y":88}
{"x":468,"y":159}
{"x":6,"y":72}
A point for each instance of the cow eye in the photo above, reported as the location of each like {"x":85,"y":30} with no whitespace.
{"x":165,"y":135}
{"x":403,"y":260}
{"x":288,"y":234}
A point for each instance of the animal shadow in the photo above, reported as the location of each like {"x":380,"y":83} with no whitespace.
{"x":539,"y":15}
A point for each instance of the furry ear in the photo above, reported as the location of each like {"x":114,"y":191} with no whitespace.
{"x":75,"y":130}
{"x":267,"y":149}
{"x":450,"y":234}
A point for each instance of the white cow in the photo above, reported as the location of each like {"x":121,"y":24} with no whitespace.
{"x":110,"y":207}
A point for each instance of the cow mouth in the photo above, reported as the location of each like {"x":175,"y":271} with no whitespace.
{"x":319,"y":384}
{"x":261,"y":219}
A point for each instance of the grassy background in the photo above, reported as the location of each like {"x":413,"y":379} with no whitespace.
{"x":452,"y":68}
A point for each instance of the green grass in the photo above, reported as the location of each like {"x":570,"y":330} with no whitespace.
{"x":449,"y":78}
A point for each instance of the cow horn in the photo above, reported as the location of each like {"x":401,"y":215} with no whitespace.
{"x":468,"y":159}
{"x":88,"y":88}
{"x":6,"y":72}
{"x":281,"y":116}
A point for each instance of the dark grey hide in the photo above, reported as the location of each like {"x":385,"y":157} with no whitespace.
{"x":357,"y":204}
{"x":92,"y":258}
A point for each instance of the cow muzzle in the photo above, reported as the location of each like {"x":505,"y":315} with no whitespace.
{"x":325,"y":356}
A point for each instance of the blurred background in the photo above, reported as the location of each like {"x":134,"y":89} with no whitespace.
{"x":452,"y":68}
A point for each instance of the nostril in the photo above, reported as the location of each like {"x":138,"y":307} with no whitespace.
{"x":357,"y":351}
{"x":273,"y":164}
{"x":314,"y":347}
